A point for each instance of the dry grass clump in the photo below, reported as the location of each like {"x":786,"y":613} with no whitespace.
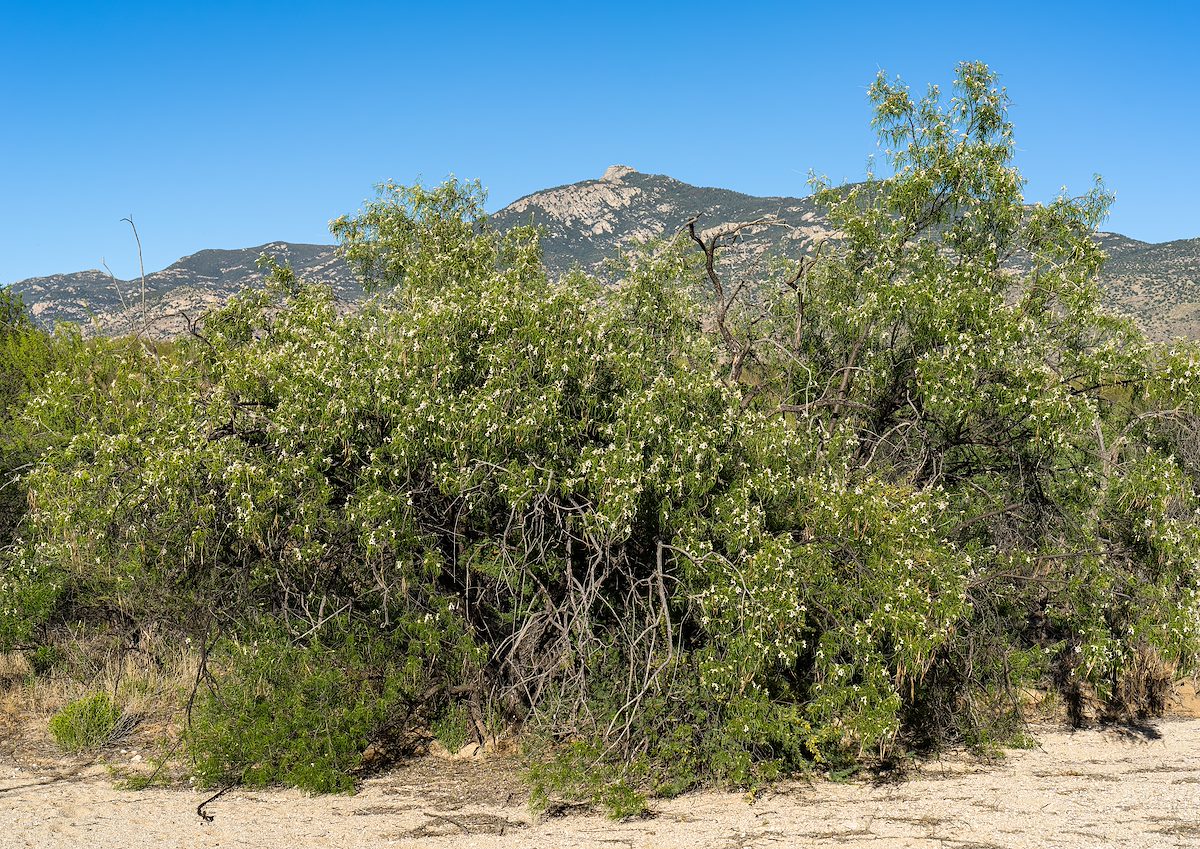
{"x":147,"y":686}
{"x":14,"y":669}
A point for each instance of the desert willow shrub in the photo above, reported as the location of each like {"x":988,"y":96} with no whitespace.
{"x":950,"y":339}
{"x":535,"y":496}
{"x":678,"y":529}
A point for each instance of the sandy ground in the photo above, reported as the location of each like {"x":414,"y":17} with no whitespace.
{"x":1093,"y":788}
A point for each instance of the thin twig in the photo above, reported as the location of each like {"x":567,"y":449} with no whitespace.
{"x":207,"y":817}
{"x":141,"y":270}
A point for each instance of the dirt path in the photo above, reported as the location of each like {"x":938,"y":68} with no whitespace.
{"x":1097,"y":788}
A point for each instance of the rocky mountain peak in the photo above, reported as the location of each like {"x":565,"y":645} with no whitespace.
{"x":616,"y":173}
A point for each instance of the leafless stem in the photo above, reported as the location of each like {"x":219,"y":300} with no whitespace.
{"x":142,"y":272}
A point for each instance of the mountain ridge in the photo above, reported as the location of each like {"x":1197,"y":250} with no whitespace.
{"x":584,"y":224}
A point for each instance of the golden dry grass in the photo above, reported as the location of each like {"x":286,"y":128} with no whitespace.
{"x":150,"y":687}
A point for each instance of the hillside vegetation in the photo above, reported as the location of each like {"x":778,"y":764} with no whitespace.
{"x":688,"y":529}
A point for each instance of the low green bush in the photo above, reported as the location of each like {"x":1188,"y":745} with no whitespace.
{"x":454,"y":727}
{"x":302,"y":715}
{"x":86,"y":724}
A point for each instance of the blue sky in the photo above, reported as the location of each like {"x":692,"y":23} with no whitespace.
{"x":229,"y":125}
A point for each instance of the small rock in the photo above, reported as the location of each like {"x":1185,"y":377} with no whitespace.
{"x":468,"y":751}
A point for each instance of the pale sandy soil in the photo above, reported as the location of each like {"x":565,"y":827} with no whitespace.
{"x":1093,"y":788}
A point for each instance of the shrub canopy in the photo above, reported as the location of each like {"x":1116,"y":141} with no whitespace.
{"x":687,"y":527}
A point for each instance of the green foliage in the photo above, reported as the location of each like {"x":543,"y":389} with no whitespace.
{"x":454,"y":727}
{"x":86,"y":724}
{"x":413,"y":233}
{"x":299,"y":715}
{"x":573,"y":770}
{"x":678,"y":531}
{"x":950,"y":344}
{"x":27,"y":353}
{"x":44,"y":658}
{"x":98,"y":388}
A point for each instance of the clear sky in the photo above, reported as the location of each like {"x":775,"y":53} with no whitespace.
{"x":230,"y":125}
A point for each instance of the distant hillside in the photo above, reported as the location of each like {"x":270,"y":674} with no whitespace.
{"x":186,"y":288}
{"x":1158,"y":284}
{"x":585,"y":224}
